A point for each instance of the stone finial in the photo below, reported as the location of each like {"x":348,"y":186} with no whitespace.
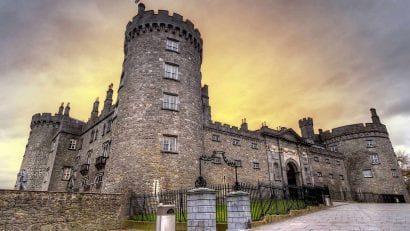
{"x":67,"y":110}
{"x":61,"y":109}
{"x":110,"y":86}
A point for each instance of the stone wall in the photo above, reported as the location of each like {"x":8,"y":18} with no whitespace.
{"x":249,"y":151}
{"x":30,"y":210}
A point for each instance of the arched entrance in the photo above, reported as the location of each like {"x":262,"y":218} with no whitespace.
{"x":291,"y":174}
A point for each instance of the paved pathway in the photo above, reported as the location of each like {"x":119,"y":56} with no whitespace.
{"x":350,"y":216}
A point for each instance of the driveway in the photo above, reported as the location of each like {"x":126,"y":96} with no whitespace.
{"x":350,"y":216}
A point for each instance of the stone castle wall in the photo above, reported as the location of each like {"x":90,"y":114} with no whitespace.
{"x":329,"y":169}
{"x":250,"y":151}
{"x":95,"y":137}
{"x":358,"y":149}
{"x":137,"y":161}
{"x":60,"y":211}
{"x":43,"y":128}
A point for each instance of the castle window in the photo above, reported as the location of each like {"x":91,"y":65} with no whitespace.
{"x":80,"y":144}
{"x":99,"y":177}
{"x":333,"y":148}
{"x":122,"y":80}
{"x":66,"y":173}
{"x":395,"y":173}
{"x":367,"y":173}
{"x":327,"y":161}
{"x":217,"y":160}
{"x":319,"y":174}
{"x":169,"y":144}
{"x":84,"y":181}
{"x":238,"y":163}
{"x":73,"y":144}
{"x":172,"y":45}
{"x":236,"y":142}
{"x":170,"y":102}
{"x":103,"y":132}
{"x":341,"y":177}
{"x":276,"y":171}
{"x":106,"y":148}
{"x":331,"y":175}
{"x":216,"y":138}
{"x":96,"y":134}
{"x":171,"y":71}
{"x":370,"y":143}
{"x":89,"y":156}
{"x":374,"y":158}
{"x":254,"y":145}
{"x":92,"y":136}
{"x":109,"y":123}
{"x":316,"y":158}
{"x":255,"y":165}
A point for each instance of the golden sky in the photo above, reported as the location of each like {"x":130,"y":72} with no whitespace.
{"x":266,"y":60}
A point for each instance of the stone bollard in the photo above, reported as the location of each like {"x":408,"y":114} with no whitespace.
{"x":239,"y":211}
{"x":201,"y":208}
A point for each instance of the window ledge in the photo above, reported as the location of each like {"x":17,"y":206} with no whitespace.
{"x":168,"y":109}
{"x":168,"y":78}
{"x":167,"y":49}
{"x":169,"y":152}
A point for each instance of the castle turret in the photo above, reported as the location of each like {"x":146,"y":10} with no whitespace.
{"x":43,"y":128}
{"x":306,"y":127}
{"x":94,"y":112}
{"x":108,"y":100}
{"x":375,"y":117}
{"x":67,"y":110}
{"x":160,"y":116}
{"x":205,"y":104}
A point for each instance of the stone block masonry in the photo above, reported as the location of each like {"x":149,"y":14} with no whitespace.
{"x":31,"y":210}
{"x":239,"y":211}
{"x":201,"y":209}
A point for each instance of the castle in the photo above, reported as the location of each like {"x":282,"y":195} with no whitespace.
{"x":153,"y":136}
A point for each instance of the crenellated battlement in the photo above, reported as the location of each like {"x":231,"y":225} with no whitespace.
{"x":353,"y":129}
{"x":306,"y":122}
{"x":148,"y":21}
{"x":232,"y":130}
{"x":43,"y":119}
{"x":325,"y":152}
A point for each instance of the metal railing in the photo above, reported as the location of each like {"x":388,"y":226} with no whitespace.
{"x":265,"y":200}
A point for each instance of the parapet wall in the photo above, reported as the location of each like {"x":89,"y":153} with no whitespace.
{"x":353,"y":129}
{"x":326,"y":152}
{"x":31,"y":210}
{"x":148,"y":21}
{"x":226,"y":128}
{"x":42,"y":119}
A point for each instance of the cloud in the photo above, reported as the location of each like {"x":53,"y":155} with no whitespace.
{"x":274,"y":61}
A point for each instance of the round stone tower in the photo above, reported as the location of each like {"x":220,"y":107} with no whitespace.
{"x":371,"y":162}
{"x":43,"y":127}
{"x":158,"y":128}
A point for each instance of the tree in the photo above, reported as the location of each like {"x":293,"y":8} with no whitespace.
{"x":404,"y":160}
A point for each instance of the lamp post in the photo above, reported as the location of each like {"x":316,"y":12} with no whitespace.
{"x":201,"y":182}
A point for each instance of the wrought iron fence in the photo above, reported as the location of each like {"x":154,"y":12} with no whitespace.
{"x":265,"y":199}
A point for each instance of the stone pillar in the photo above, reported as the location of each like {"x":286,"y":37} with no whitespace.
{"x":239,"y":210}
{"x":201,"y":208}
